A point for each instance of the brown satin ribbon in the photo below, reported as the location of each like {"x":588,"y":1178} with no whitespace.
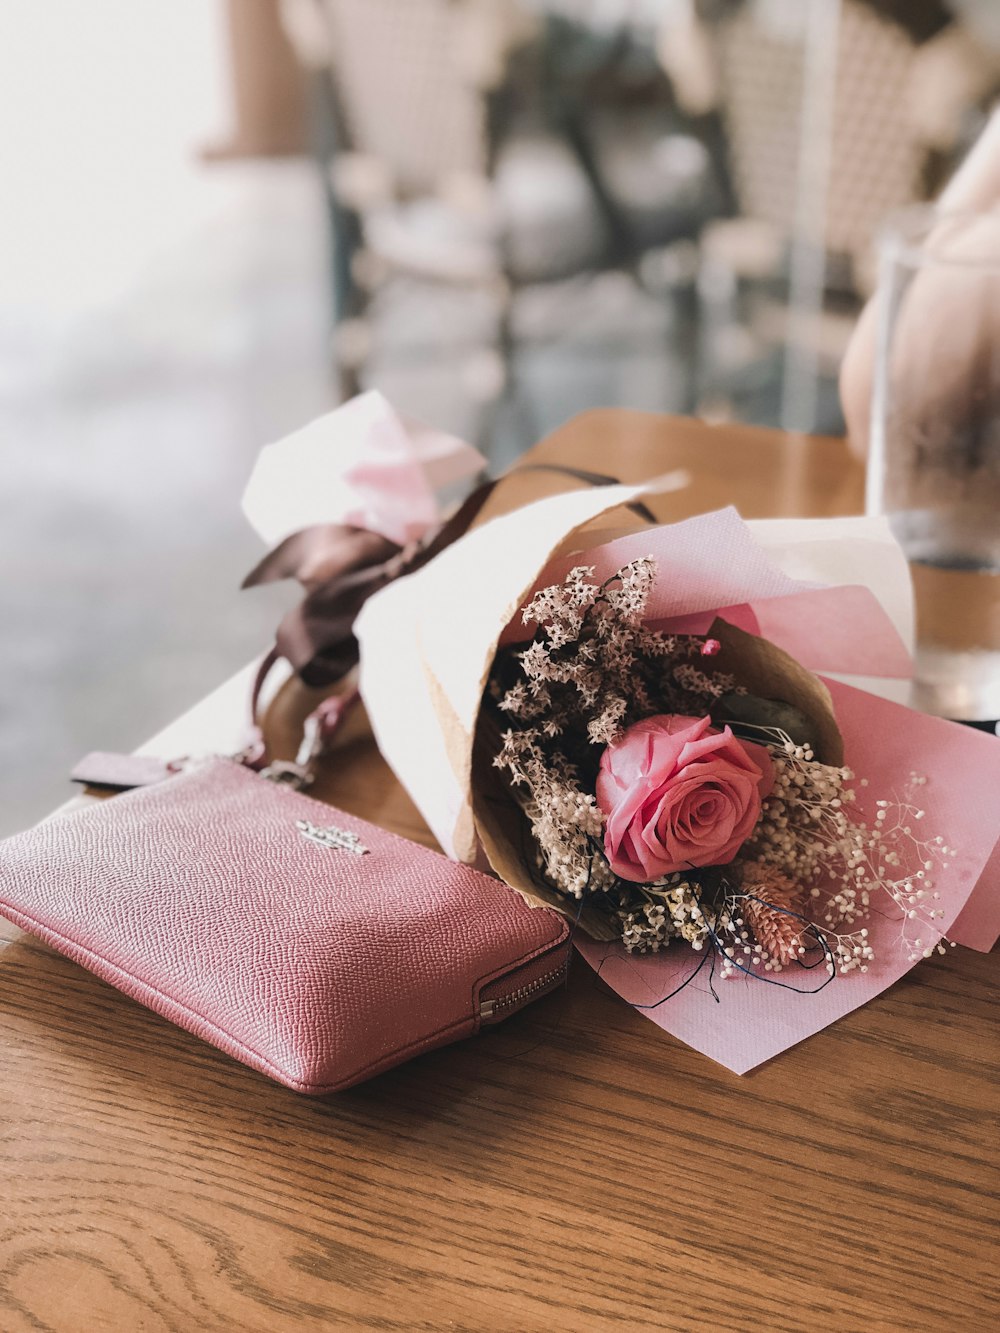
{"x":340,"y":567}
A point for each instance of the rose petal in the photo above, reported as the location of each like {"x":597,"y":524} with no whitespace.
{"x":677,"y":795}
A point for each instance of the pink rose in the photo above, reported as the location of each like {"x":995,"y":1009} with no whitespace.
{"x":677,"y":794}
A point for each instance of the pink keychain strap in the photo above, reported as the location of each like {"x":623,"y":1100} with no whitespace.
{"x":122,"y":772}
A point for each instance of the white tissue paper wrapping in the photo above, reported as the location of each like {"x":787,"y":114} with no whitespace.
{"x":362,"y":464}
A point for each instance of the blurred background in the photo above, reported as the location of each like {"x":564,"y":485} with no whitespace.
{"x":221,"y":217}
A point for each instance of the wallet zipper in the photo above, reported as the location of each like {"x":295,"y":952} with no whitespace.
{"x":500,"y":1006}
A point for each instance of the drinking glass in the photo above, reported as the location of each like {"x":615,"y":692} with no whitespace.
{"x":934,"y":465}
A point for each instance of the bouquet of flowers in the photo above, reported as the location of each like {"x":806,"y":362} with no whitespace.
{"x":678,"y":804}
{"x":659,"y":732}
{"x":635,"y":733}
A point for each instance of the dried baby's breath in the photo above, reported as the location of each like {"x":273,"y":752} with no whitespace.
{"x":592,"y":669}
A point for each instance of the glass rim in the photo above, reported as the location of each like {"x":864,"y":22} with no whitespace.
{"x":905,"y":233}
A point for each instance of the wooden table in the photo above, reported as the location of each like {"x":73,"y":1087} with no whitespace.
{"x":574,"y":1169}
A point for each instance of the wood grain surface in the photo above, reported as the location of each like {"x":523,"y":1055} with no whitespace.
{"x":573,"y":1169}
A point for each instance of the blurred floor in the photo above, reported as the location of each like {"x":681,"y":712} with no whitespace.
{"x":159,"y":321}
{"x":121,"y":541}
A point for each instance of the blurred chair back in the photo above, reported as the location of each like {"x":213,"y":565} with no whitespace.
{"x":409,"y":75}
{"x":439,"y":168}
{"x":874,"y":157}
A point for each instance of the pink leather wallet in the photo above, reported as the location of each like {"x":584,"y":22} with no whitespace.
{"x":311,"y":945}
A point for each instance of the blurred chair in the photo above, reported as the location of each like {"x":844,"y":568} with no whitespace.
{"x":432,"y":174}
{"x":874,"y":155}
{"x":807,"y":175}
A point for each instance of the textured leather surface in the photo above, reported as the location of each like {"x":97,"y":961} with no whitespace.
{"x":201,"y":898}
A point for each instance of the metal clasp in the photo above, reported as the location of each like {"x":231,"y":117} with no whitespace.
{"x":287,"y":775}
